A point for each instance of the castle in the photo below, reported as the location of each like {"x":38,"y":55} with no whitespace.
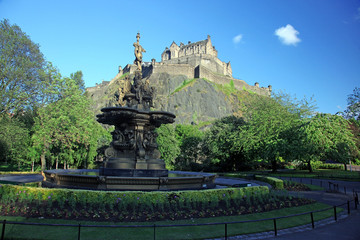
{"x":194,"y":60}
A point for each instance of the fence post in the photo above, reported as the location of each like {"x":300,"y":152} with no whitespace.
{"x":320,"y":183}
{"x":225,"y":231}
{"x":154,"y":231}
{"x":348,"y":206}
{"x":335,"y":213}
{"x":3,"y":230}
{"x":312,"y":220}
{"x":275,"y":229}
{"x":79,"y":231}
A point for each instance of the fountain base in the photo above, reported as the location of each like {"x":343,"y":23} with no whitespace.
{"x":93,"y":180}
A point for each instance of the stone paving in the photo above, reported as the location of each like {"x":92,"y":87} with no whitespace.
{"x":21,"y":178}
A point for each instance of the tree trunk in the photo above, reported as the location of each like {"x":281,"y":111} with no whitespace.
{"x":274,"y":165}
{"x":309,"y":167}
{"x":43,"y":161}
{"x":345,"y":166}
{"x":32,"y":166}
{"x":56,"y":163}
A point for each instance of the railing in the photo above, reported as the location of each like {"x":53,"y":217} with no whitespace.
{"x":332,"y":186}
{"x":79,"y":227}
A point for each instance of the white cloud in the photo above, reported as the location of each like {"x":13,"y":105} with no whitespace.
{"x":288,"y":35}
{"x":237,"y":39}
{"x":357,"y":17}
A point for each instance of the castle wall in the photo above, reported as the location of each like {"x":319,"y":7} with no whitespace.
{"x":203,"y":72}
{"x":206,"y":60}
{"x":174,"y":69}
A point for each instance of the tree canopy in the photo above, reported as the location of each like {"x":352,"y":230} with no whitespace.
{"x":21,"y":69}
{"x":353,"y":109}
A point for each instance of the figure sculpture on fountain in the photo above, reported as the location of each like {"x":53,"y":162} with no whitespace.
{"x":137,"y":93}
{"x":138,"y":52}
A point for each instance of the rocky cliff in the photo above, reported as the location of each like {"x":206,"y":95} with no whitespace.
{"x":191,"y":100}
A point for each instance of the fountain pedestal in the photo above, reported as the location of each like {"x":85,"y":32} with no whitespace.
{"x":133,"y":151}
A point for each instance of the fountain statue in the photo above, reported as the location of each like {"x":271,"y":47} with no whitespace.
{"x":133,"y":151}
{"x":132,"y":159}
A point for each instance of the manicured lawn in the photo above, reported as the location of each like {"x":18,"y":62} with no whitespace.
{"x":321,"y":173}
{"x":336,"y":174}
{"x":314,"y":187}
{"x":193,"y":232}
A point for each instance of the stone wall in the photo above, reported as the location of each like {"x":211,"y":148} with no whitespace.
{"x":203,"y":72}
{"x":206,"y":60}
{"x":174,"y":69}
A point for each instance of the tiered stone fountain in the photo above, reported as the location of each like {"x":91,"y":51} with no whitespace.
{"x":132,"y":159}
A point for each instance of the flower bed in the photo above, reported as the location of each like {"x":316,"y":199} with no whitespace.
{"x":294,"y":186}
{"x":139,"y":206}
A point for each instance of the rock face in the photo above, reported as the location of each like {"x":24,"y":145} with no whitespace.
{"x":192,"y":101}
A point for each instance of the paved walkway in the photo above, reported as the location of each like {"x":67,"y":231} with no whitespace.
{"x":21,"y":178}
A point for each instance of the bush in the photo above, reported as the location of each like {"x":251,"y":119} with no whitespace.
{"x":88,"y":199}
{"x":274,"y":182}
{"x":321,"y":165}
{"x":139,"y":206}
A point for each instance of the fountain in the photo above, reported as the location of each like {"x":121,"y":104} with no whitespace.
{"x":132,"y":159}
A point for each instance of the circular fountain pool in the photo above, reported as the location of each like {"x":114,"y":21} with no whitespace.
{"x":91,"y":179}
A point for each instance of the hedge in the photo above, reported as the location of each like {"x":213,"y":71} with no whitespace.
{"x":125,"y":200}
{"x":274,"y":182}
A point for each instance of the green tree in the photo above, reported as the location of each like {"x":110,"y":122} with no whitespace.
{"x":223,"y":146}
{"x":190,"y":142}
{"x":66,"y":130}
{"x":168,"y":144}
{"x":353,"y":109}
{"x":78,"y":78}
{"x":21,"y":69}
{"x":326,"y":136}
{"x":266,"y":124}
{"x":14,"y":141}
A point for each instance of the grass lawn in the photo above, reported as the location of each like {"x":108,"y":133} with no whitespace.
{"x":321,"y":173}
{"x":314,"y":187}
{"x":194,"y":232}
{"x":336,"y":174}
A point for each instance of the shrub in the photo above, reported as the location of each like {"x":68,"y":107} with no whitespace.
{"x":274,"y":182}
{"x":73,"y":199}
{"x":136,"y":205}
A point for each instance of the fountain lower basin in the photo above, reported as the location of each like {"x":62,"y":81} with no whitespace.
{"x":93,"y":180}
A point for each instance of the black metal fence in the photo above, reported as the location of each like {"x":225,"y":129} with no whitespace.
{"x":330,"y":186}
{"x":79,"y":227}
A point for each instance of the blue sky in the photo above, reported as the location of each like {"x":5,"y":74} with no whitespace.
{"x":303,"y":47}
